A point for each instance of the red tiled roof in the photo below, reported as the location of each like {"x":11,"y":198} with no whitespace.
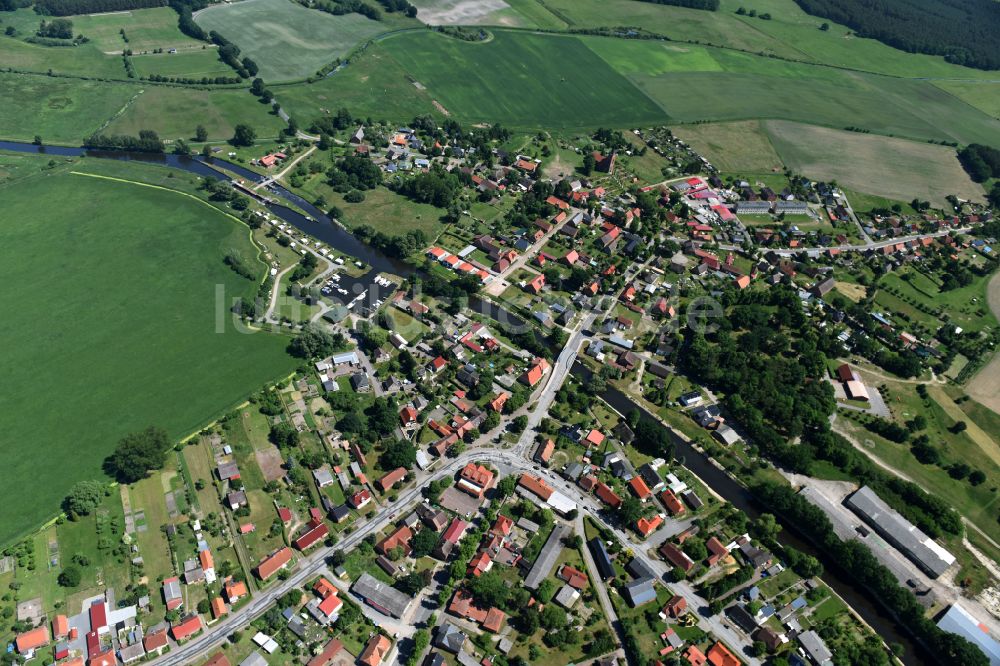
{"x":331,"y":650}
{"x":30,"y":640}
{"x":608,"y":496}
{"x":271,"y":564}
{"x":719,"y":655}
{"x":639,"y":487}
{"x":392,"y":478}
{"x":186,"y":628}
{"x":647,"y":526}
{"x":536,"y":485}
{"x":315,"y":534}
{"x":375,"y":651}
{"x":155,"y":640}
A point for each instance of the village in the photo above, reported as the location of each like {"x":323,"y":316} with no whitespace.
{"x":442,"y":489}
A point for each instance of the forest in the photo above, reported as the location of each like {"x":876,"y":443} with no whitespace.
{"x":980,"y":162}
{"x":965,"y":32}
{"x":72,"y":7}
{"x":710,"y":5}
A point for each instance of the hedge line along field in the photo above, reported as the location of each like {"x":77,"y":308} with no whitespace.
{"x":893,"y":168}
{"x":289,"y":41}
{"x":118,"y":331}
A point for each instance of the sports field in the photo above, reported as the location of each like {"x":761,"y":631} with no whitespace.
{"x":61,"y":110}
{"x":109,"y":326}
{"x":286,"y":40}
{"x":893,"y":168}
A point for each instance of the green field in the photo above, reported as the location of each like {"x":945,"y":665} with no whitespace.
{"x":191,"y":64}
{"x":146,"y":29}
{"x":893,"y":168}
{"x":110,"y":326}
{"x":287,"y":40}
{"x":83,"y":60}
{"x":741,"y":146}
{"x":533,"y":81}
{"x":61,"y":110}
{"x":508,"y":13}
{"x":175,"y":112}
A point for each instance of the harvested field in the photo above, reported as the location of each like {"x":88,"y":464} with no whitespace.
{"x":890,"y":167}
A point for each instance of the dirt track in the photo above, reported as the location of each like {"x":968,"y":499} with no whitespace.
{"x":985,"y":386}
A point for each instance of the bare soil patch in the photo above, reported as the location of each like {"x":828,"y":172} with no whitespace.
{"x":269,"y":461}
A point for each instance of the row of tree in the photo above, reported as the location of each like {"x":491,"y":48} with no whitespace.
{"x":710,"y":5}
{"x":981,"y":162}
{"x":147,"y":142}
{"x":74,"y":7}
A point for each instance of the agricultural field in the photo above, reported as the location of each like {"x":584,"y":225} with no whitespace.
{"x":87,"y":354}
{"x":510,"y":13}
{"x":521,"y":80}
{"x":60,"y":110}
{"x":146,"y":29}
{"x":742,"y":146}
{"x":894,"y":168}
{"x":174,"y":112}
{"x":289,"y":41}
{"x":193,"y":64}
{"x":985,"y":386}
{"x":83,"y":60}
{"x":984,"y":95}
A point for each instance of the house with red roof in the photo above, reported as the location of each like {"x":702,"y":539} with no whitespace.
{"x":557,"y":202}
{"x":399,"y":539}
{"x":438,"y":364}
{"x":407,"y":415}
{"x":392,"y":478}
{"x":32,"y":640}
{"x":218,"y":607}
{"x":646,"y":526}
{"x":186,"y":628}
{"x":639,"y":487}
{"x":594,"y":438}
{"x":535,"y":284}
{"x":544,"y":451}
{"x":274,"y":563}
{"x":719,"y":655}
{"x":573,"y":577}
{"x":571,"y":258}
{"x":607,"y":495}
{"x":535,"y":485}
{"x":503,"y":526}
{"x":535,"y":373}
{"x":375,"y":651}
{"x":675,"y":606}
{"x":317,"y":532}
{"x":360,"y":499}
{"x":60,"y":627}
{"x":674,"y":506}
{"x":234,"y":590}
{"x":497,"y":403}
{"x":475,"y":480}
{"x":716,"y":551}
{"x":479,"y":564}
{"x":155,"y":641}
{"x":676,"y":557}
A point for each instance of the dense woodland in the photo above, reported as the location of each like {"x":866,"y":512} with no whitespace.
{"x":965,"y":32}
{"x":710,"y":5}
{"x":72,"y":7}
{"x":981,"y":162}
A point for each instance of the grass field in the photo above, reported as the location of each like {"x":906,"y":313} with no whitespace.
{"x":983,"y":95}
{"x":510,"y":13}
{"x":894,"y":168}
{"x":146,"y":29}
{"x":127,"y":337}
{"x":175,"y":112}
{"x":83,"y":60}
{"x":192,"y":64}
{"x":531,"y":81}
{"x":61,"y":110}
{"x":521,"y":80}
{"x":733,"y":147}
{"x":287,"y":40}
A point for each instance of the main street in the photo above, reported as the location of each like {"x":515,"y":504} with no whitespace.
{"x":507,"y":461}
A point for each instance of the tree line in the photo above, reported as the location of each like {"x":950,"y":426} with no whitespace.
{"x":965,"y":32}
{"x":147,"y":142}
{"x":710,"y":5}
{"x":73,"y":7}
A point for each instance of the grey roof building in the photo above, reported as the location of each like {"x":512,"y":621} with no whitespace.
{"x":601,"y":558}
{"x":639,"y":570}
{"x":380,"y":596}
{"x":958,"y":621}
{"x":901,"y":533}
{"x":255,"y":659}
{"x":640,"y":592}
{"x":449,"y":638}
{"x":567,"y":597}
{"x":131,"y":653}
{"x":547,"y":558}
{"x":815,"y":648}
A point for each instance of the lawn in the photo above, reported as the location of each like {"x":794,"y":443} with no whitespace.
{"x":129,"y":265}
{"x":733,"y":147}
{"x":893,"y":168}
{"x":62,"y":111}
{"x":289,"y":41}
{"x":175,"y":112}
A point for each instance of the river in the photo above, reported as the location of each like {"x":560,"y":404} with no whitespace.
{"x":324,"y":229}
